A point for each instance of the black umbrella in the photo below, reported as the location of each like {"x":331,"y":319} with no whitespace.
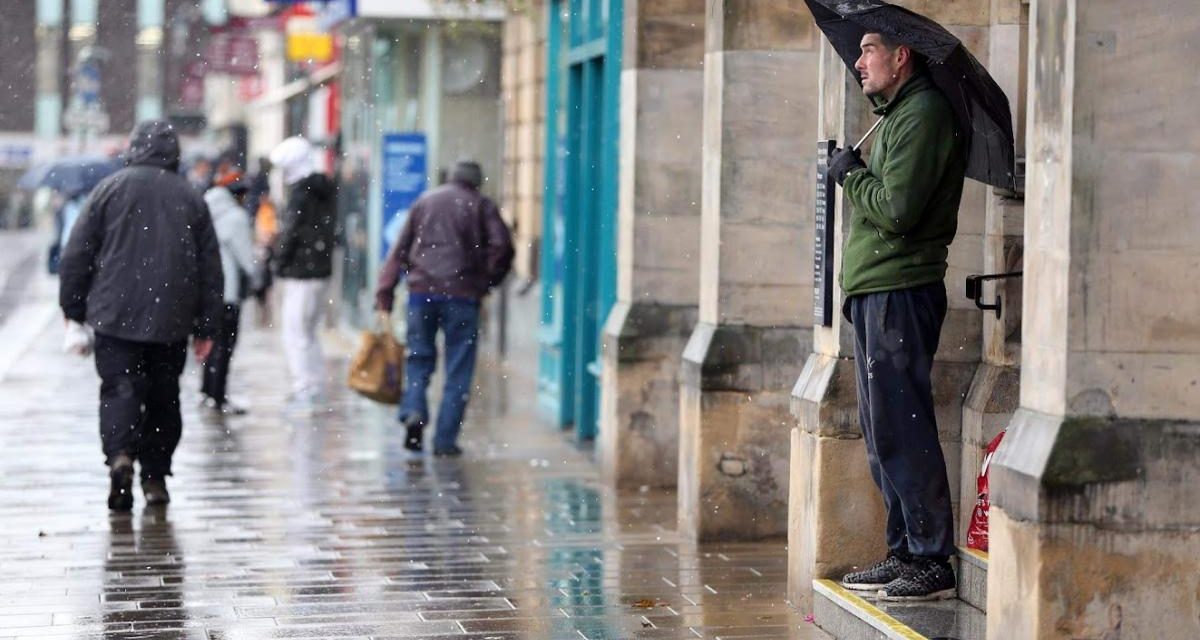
{"x":980,"y":104}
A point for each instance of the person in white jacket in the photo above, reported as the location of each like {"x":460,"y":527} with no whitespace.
{"x":242,"y":274}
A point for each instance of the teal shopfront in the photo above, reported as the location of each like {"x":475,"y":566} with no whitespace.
{"x":579,"y":260}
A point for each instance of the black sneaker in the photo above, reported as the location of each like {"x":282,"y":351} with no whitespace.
{"x":452,"y":451}
{"x":120,"y":491}
{"x":155,"y":490}
{"x":415,"y":433}
{"x":924,"y":579}
{"x":875,"y":577}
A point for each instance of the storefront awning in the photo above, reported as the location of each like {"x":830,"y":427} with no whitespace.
{"x":299,"y":86}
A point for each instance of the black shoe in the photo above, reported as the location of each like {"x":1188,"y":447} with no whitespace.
{"x":876,"y":577}
{"x":415,"y":433}
{"x":452,"y":451}
{"x":155,"y":490}
{"x":120,"y":491}
{"x":924,"y":579}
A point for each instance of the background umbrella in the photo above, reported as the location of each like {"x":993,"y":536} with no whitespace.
{"x":979,"y":103}
{"x":71,"y":176}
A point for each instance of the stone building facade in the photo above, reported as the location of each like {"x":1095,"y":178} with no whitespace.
{"x":716,"y":380}
{"x":523,"y":89}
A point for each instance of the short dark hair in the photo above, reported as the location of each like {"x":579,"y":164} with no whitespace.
{"x":467,"y":172}
{"x":888,"y":41}
{"x":891,"y":43}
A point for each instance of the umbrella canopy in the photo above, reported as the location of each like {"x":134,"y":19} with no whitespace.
{"x":71,"y":176}
{"x":980,"y":104}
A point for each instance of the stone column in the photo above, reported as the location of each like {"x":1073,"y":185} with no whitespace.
{"x":993,"y":397}
{"x":48,"y":113}
{"x":831,"y":499}
{"x":149,"y":60}
{"x":658,"y":246}
{"x":81,"y":37}
{"x":523,"y":83}
{"x":836,"y":516}
{"x":1095,"y":520}
{"x":754,"y":330}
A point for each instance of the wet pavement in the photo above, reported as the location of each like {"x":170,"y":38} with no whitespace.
{"x":323,"y":527}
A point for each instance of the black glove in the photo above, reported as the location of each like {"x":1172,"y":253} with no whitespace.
{"x":842,"y":162}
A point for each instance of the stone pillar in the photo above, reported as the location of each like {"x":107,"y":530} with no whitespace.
{"x":1095,"y":521}
{"x":523,"y":83}
{"x":662,"y":88}
{"x":836,"y":516}
{"x":48,"y":110}
{"x":993,"y":397}
{"x":149,"y":60}
{"x":81,"y":38}
{"x":831,"y":499}
{"x":754,"y":329}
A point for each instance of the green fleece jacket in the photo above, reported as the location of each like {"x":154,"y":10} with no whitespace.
{"x":905,"y":203}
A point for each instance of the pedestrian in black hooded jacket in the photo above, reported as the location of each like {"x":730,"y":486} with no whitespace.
{"x":142,"y":268}
{"x":304,"y":262}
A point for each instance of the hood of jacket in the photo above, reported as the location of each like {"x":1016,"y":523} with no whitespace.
{"x":316,"y":185}
{"x":294,"y":158}
{"x":155,"y":144}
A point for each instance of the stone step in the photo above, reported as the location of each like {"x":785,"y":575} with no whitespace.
{"x":848,"y":616}
{"x":972,"y":577}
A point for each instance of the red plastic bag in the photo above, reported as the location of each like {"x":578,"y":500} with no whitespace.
{"x":977,"y":531}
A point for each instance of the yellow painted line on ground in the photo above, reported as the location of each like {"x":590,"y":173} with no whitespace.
{"x":899,"y":628}
{"x":982,"y":556}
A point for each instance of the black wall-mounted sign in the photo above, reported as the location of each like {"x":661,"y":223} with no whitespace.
{"x":823,"y":247}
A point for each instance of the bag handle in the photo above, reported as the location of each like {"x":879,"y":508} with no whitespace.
{"x":383,"y":321}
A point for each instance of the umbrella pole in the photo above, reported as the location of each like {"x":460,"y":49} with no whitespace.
{"x":868,"y":134}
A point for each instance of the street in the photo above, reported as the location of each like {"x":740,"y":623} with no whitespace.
{"x":323,"y":527}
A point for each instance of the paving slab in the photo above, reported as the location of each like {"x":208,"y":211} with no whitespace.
{"x":325,"y":527}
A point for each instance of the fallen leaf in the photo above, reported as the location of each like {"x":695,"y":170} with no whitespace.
{"x":644,"y":603}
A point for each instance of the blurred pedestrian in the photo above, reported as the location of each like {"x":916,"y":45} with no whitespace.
{"x":242,"y":276}
{"x":200,"y":174}
{"x":142,"y":268}
{"x":266,"y":229}
{"x":454,"y":248}
{"x":258,"y":185}
{"x":303,"y":262}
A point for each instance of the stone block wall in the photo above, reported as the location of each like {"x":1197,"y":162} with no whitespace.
{"x":658,"y":241}
{"x":1094,"y":525}
{"x":523,"y":89}
{"x":754,"y":329}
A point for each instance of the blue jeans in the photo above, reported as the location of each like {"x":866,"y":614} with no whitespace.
{"x":458,"y":319}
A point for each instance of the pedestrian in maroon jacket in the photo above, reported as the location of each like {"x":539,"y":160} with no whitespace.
{"x":453,"y":249}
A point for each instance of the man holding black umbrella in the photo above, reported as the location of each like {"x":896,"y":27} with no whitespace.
{"x":905,"y":215}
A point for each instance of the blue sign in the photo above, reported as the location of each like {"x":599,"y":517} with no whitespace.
{"x":405,"y":156}
{"x":334,"y":12}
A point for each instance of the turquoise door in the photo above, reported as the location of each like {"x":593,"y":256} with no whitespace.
{"x":580,"y":202}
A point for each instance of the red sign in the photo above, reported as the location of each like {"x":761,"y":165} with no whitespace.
{"x":191,"y":87}
{"x":232,"y":53}
{"x":250,"y":88}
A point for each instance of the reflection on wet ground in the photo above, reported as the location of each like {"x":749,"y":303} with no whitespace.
{"x":324,"y":528}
